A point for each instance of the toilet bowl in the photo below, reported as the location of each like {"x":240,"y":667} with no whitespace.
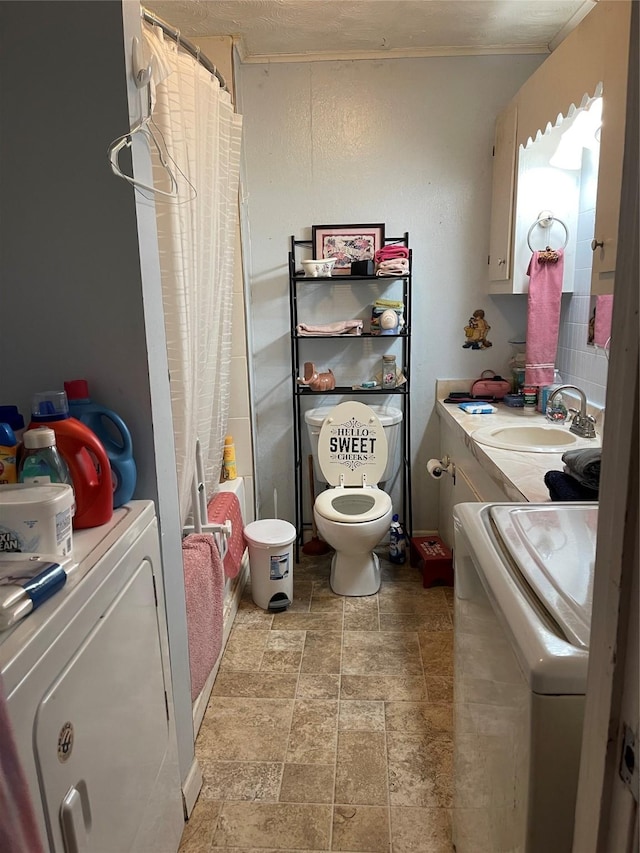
{"x":354,"y":514}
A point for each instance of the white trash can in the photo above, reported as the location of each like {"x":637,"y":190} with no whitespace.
{"x":271,"y":562}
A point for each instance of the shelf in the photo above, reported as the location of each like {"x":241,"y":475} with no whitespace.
{"x":345,"y":279}
{"x":303,"y":391}
{"x":347,"y":337}
{"x":299,"y":292}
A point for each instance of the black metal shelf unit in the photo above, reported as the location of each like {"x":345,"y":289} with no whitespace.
{"x":300,"y":392}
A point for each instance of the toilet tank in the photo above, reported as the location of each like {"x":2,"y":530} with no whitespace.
{"x":390,"y":418}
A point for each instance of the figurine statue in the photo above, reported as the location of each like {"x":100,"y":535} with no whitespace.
{"x":476,"y":332}
{"x":317,"y":381}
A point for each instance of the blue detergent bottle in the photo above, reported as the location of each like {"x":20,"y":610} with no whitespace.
{"x":112,"y":432}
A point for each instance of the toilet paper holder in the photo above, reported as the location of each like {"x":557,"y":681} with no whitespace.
{"x":437,"y":467}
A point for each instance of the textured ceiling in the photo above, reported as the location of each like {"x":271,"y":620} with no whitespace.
{"x":278,"y":30}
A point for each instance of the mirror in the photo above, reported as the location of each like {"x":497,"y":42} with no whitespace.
{"x":556,"y":205}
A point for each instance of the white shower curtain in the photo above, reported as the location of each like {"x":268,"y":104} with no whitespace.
{"x":197,"y":238}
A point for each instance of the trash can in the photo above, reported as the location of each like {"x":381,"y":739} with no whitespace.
{"x":271,"y":562}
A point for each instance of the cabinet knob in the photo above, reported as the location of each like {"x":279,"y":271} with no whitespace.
{"x":596,"y":243}
{"x":501,"y":262}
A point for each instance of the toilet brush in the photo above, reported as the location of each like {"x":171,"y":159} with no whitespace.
{"x":315,"y":546}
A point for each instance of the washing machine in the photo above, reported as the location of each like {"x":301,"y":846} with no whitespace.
{"x":88,"y":689}
{"x":523,"y":594}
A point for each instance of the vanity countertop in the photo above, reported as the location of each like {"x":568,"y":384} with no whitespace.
{"x":519,"y":474}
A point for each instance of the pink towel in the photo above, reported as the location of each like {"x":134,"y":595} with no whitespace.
{"x":204,"y":593}
{"x":602,"y":325}
{"x":18,"y":828}
{"x":388,"y":252}
{"x":543,"y":318}
{"x":225,"y":506}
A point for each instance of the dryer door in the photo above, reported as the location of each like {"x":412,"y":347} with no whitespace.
{"x":102,"y":731}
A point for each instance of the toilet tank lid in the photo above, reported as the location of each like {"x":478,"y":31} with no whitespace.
{"x":387,"y":415}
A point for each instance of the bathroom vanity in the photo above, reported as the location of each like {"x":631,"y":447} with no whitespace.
{"x":491,"y":474}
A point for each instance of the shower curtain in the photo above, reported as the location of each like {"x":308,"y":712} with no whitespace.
{"x":199,"y":135}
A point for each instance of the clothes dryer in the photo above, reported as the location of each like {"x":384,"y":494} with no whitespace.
{"x":88,"y":690}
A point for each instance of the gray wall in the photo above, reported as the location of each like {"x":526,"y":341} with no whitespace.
{"x":406,"y":142}
{"x":74,"y":302}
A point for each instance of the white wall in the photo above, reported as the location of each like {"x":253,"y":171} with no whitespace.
{"x":406,"y":142}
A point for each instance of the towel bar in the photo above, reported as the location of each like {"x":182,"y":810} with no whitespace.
{"x":545,"y":220}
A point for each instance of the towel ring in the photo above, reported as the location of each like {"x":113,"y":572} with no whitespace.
{"x":544,"y":220}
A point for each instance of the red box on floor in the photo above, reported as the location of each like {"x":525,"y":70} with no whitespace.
{"x":433,"y":558}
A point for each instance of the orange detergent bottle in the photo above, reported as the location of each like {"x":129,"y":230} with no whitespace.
{"x":85,"y":455}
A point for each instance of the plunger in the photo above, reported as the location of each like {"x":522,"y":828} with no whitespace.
{"x":315,"y":546}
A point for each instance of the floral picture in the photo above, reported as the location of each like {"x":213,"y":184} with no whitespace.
{"x":347,"y":243}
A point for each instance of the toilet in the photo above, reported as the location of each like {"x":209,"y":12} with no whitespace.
{"x":353,"y":514}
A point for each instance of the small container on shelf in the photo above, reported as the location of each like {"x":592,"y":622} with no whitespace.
{"x":389,"y":371}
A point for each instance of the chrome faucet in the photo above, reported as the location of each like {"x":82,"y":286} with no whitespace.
{"x":582,"y":424}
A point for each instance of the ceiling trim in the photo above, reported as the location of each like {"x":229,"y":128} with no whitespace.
{"x":399,"y":53}
{"x":572,"y":23}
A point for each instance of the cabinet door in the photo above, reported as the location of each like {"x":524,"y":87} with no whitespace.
{"x":614,"y":96}
{"x":451,"y":493}
{"x":504,"y":165}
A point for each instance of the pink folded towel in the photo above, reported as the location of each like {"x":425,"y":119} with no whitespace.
{"x":386,"y":253}
{"x":602,"y":325}
{"x":341,"y":327}
{"x":543,"y":318}
{"x":204,"y":593}
{"x":393,"y":266}
{"x":18,"y":828}
{"x":225,"y":506}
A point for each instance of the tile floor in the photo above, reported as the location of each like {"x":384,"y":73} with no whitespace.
{"x":330,"y":725}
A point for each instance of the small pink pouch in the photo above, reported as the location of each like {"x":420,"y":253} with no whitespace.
{"x":490,"y":385}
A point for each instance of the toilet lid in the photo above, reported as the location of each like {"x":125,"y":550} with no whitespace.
{"x":352,"y":443}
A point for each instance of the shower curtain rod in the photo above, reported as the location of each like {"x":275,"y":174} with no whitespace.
{"x":191,"y":48}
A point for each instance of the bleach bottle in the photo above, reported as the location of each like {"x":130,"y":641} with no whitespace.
{"x":84,"y":454}
{"x":397,"y":542}
{"x":112,"y":432}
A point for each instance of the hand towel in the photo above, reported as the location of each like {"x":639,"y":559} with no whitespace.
{"x":543,"y":318}
{"x":341,"y":327}
{"x":18,"y":828}
{"x":204,"y":593}
{"x":602,"y":325}
{"x":222,"y":507}
{"x":563,"y":487}
{"x":584,"y":465}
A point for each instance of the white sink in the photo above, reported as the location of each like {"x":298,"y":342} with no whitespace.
{"x":532,"y":438}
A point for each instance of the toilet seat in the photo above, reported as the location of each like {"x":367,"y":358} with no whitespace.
{"x":352,"y":506}
{"x":352,"y":446}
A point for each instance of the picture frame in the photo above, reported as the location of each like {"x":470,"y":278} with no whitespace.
{"x":346,"y":243}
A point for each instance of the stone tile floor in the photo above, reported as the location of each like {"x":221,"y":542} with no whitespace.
{"x":329,"y":726}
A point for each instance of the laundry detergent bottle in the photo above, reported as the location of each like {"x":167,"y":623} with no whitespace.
{"x":84,"y":454}
{"x":112,"y":432}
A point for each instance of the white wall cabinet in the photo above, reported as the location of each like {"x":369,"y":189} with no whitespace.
{"x":595,"y":53}
{"x":615,"y":62}
{"x":503,"y":195}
